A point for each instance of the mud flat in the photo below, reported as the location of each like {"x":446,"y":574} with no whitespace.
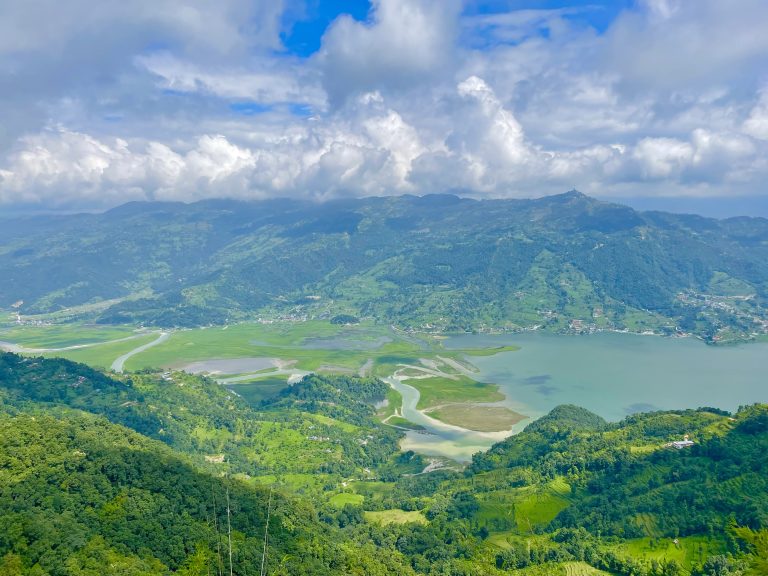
{"x":477,"y":417}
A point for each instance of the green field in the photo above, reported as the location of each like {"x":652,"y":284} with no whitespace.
{"x":328,"y":421}
{"x":439,"y":390}
{"x":562,"y":569}
{"x":403,"y":423}
{"x":102,"y":355}
{"x":395,"y":516}
{"x":688,"y":550}
{"x":341,"y":500}
{"x":257,"y":391}
{"x":338,"y":346}
{"x":63,"y":335}
{"x":538,"y":510}
{"x":582,"y":569}
{"x":524,"y":509}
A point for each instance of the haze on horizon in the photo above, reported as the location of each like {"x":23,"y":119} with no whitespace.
{"x":655,"y":103}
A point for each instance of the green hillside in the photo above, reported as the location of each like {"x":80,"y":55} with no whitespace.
{"x":564,"y":263}
{"x":298,"y":436}
{"x":81,"y":496}
{"x":571,"y":494}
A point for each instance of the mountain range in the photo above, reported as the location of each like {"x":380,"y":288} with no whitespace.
{"x":437,"y":262}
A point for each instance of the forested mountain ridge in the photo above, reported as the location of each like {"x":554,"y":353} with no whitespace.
{"x":622,"y":469}
{"x":571,"y":491}
{"x":565,"y":262}
{"x":202,"y":419}
{"x":81,"y":496}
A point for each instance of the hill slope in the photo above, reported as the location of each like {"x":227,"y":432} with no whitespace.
{"x":568,"y":495}
{"x":79,"y":495}
{"x":204,"y":420}
{"x":566,"y":262}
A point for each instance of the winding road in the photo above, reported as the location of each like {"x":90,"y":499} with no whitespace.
{"x":118,"y":364}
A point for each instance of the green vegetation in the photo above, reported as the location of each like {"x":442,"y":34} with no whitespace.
{"x":296,"y":432}
{"x":63,"y":335}
{"x":403,"y":423}
{"x":81,"y":496}
{"x":102,"y":355}
{"x":440,"y":390}
{"x":125,"y":469}
{"x":310,"y":345}
{"x":341,"y":500}
{"x":565,"y":263}
{"x":259,"y":390}
{"x":687,"y":552}
{"x":385,"y":517}
{"x":488,"y":351}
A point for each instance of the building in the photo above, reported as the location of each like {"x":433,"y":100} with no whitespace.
{"x":684,"y":443}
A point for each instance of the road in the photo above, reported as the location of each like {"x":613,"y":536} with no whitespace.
{"x":118,"y":364}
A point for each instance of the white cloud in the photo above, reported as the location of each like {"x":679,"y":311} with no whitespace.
{"x":757,"y":123}
{"x":275,"y":82}
{"x":682,"y":45}
{"x":407,"y":43}
{"x":120,"y":101}
{"x":661,"y":9}
{"x":660,"y":158}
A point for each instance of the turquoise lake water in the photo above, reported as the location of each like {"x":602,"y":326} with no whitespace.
{"x":611,"y":374}
{"x":615,"y":375}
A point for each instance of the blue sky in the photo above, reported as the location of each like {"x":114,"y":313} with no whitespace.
{"x":653,"y":101}
{"x":302,"y":33}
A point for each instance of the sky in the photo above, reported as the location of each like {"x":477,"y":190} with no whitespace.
{"x":653,"y":102}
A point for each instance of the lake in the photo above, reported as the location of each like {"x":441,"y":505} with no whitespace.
{"x":611,"y":374}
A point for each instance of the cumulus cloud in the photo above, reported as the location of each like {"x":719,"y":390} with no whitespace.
{"x":407,"y":43}
{"x":141,"y":100}
{"x":69,"y":168}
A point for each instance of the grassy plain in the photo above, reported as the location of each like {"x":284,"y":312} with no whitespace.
{"x":305,"y":346}
{"x":102,"y":355}
{"x":62,"y":335}
{"x":439,"y":390}
{"x":337,"y":346}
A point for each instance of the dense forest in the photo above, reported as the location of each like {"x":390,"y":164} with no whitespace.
{"x":148,"y":473}
{"x":562,"y":263}
{"x":79,"y":495}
